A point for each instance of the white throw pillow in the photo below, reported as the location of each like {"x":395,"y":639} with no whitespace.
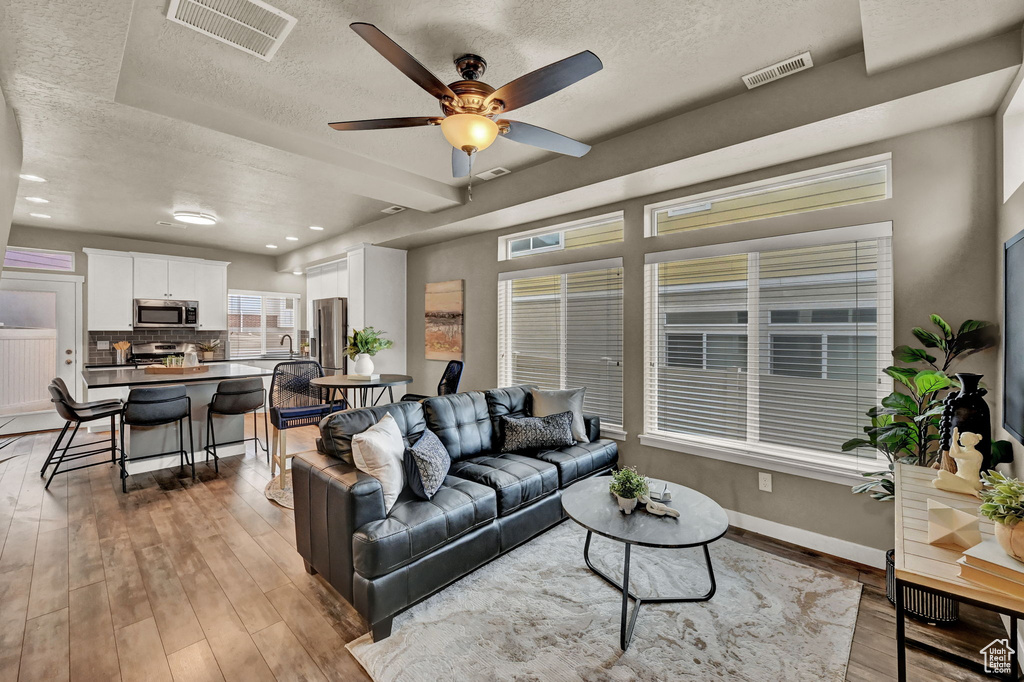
{"x":547,"y":403}
{"x":378,"y":451}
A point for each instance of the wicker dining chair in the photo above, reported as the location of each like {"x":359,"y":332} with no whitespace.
{"x":294,"y":401}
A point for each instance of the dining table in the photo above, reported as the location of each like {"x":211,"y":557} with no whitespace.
{"x":361,"y":387}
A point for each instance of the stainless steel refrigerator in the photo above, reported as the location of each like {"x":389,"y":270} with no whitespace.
{"x":328,"y":338}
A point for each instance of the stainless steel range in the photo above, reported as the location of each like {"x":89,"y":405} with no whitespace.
{"x":154,"y":353}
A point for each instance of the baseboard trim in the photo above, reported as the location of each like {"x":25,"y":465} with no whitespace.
{"x":844,"y":549}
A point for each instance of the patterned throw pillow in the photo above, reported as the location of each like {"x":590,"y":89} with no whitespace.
{"x":426,"y":465}
{"x":533,"y":433}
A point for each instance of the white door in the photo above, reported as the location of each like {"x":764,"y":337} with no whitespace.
{"x":150,"y":278}
{"x":181,"y":280}
{"x":40,"y":339}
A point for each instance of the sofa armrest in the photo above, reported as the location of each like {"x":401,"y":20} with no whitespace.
{"x":332,"y":500}
{"x":593,"y":425}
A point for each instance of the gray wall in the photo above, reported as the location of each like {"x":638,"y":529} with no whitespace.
{"x":943,"y":214}
{"x":10,"y":166}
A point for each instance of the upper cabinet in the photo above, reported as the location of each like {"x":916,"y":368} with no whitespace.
{"x":116,"y":278}
{"x":109,"y":296}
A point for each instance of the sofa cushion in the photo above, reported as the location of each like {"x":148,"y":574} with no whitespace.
{"x":379,"y":451}
{"x":416,"y":527}
{"x":336,"y":430}
{"x":546,"y":403}
{"x":511,"y":401}
{"x":532,"y":433}
{"x":517,"y":479}
{"x":426,"y":465}
{"x":579,"y":461}
{"x":462,"y":423}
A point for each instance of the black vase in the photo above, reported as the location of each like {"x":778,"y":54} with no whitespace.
{"x":967,"y":411}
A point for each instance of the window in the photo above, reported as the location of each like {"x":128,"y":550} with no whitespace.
{"x":841,"y":185}
{"x":562,"y":328}
{"x":258,"y":321}
{"x":39,"y":259}
{"x":605,"y":229}
{"x":769,"y":346}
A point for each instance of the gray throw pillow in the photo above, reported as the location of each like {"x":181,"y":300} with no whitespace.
{"x":534,"y":433}
{"x":426,"y":464}
{"x":554,"y":402}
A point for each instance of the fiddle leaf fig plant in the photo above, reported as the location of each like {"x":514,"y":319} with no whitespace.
{"x":905,"y":427}
{"x":367,"y":341}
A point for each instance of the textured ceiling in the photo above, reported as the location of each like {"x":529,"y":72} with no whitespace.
{"x":898,"y":32}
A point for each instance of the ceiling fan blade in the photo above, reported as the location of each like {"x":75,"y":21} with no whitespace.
{"x":402,"y":60}
{"x":547,"y":80}
{"x":462,"y":163}
{"x":385,"y":123}
{"x":544,"y":138}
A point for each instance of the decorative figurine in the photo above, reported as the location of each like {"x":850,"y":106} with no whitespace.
{"x":952,"y":527}
{"x":967,"y":478}
{"x":659,"y":509}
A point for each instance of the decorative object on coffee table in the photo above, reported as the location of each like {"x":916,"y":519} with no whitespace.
{"x":967,"y":479}
{"x":1002,"y":500}
{"x":967,"y":411}
{"x":951,"y":527}
{"x":363,"y":344}
{"x":443,"y":305}
{"x":585,"y":503}
{"x":628,"y":486}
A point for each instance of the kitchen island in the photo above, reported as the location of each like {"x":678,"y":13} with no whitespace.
{"x":141,"y":441}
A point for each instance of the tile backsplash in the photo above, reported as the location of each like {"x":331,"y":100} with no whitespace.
{"x":107,"y":357}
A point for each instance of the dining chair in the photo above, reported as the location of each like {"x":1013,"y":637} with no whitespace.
{"x":449,"y":381}
{"x":294,"y":401}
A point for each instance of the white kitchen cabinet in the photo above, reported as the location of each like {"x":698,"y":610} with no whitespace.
{"x":181,"y":280}
{"x":150,"y":277}
{"x":109,"y":299}
{"x":211,"y":291}
{"x":377,"y":298}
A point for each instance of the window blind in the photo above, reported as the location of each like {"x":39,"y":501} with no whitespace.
{"x":781,"y":345}
{"x":257,"y":322}
{"x":563,"y":329}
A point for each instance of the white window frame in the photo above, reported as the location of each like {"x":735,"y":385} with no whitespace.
{"x":264,"y":295}
{"x":505,"y":323}
{"x":28,"y":249}
{"x":786,"y":459}
{"x":697,"y":201}
{"x":505,"y":243}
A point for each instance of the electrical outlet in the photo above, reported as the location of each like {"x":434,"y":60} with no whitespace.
{"x":103,"y":345}
{"x":764,"y":481}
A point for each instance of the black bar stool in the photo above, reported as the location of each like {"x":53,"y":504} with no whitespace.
{"x":76,"y":413}
{"x":237,"y":396}
{"x":157,"y":406}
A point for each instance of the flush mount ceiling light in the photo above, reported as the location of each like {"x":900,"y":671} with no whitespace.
{"x":271,"y":246}
{"x":195,"y":218}
{"x":37,"y":200}
{"x":297,"y":272}
{"x":31,"y":178}
{"x":315,"y":227}
{"x":292,"y":239}
{"x":39,"y":215}
{"x":471,"y":107}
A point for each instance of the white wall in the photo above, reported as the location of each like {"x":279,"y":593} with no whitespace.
{"x":10,"y":166}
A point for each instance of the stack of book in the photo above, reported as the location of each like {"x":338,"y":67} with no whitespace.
{"x":988,"y":565}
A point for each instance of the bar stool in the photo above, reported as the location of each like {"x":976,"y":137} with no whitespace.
{"x":79,"y":413}
{"x":157,"y":406}
{"x":237,"y":396}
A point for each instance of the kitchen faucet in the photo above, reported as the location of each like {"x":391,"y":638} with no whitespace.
{"x":289,"y":337}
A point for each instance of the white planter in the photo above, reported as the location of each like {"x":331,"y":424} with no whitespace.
{"x":364,"y":364}
{"x":1011,"y":539}
{"x":626,"y":504}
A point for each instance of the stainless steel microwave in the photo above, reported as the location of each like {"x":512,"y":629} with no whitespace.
{"x":156,"y":313}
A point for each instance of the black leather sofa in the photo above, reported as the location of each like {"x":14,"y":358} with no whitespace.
{"x":490,"y":502}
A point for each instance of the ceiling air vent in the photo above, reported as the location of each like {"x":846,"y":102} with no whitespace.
{"x":391,"y":210}
{"x":493,"y":173}
{"x":780,"y":70}
{"x":250,"y":25}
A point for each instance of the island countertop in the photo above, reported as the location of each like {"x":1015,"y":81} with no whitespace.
{"x":112,"y":378}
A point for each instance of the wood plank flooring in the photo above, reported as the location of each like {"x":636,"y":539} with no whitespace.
{"x":183,"y":581}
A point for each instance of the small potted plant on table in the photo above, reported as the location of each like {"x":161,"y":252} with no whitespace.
{"x":363,"y":345}
{"x":1002,"y":500}
{"x":628,"y":486}
{"x":208,"y":348}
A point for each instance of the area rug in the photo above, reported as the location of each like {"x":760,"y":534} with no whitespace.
{"x":280,"y":490}
{"x":538,"y":613}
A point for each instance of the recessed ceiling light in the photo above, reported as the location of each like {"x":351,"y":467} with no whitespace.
{"x":195,"y":218}
{"x":271,"y":246}
{"x":315,"y":227}
{"x":292,"y":239}
{"x":37,"y":200}
{"x":31,"y":178}
{"x":297,"y":272}
{"x":39,"y":215}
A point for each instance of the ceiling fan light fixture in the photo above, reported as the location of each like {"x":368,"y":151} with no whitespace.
{"x":195,"y":218}
{"x":469,"y":132}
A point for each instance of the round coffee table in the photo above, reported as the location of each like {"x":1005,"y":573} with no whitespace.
{"x":701,"y":521}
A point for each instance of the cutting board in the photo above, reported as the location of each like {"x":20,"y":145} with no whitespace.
{"x":160,"y":369}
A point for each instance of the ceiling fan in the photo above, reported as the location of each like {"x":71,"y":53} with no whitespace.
{"x":470,"y":106}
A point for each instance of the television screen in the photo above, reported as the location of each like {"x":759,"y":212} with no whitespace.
{"x":1013,"y":336}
